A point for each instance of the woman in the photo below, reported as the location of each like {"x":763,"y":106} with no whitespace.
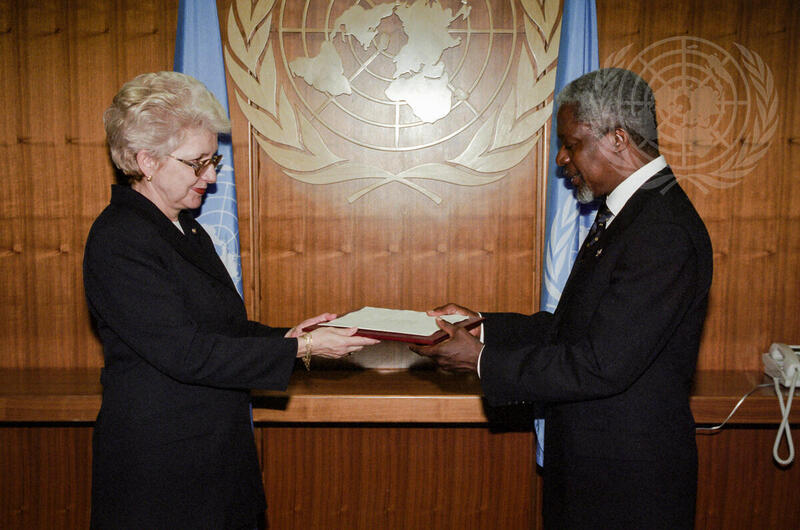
{"x":173,"y":443}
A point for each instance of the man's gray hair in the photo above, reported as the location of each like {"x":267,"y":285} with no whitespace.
{"x":612,"y":98}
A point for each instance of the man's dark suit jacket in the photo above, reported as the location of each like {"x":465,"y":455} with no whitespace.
{"x":173,"y":445}
{"x":613,"y":367}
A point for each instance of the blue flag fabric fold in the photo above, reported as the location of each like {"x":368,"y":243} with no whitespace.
{"x":198,"y":53}
{"x":566,"y":223}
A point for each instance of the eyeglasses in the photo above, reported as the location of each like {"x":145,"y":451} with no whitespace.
{"x":200,"y":166}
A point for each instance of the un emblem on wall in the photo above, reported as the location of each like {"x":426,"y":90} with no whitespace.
{"x":394,"y":77}
{"x":718,"y":114}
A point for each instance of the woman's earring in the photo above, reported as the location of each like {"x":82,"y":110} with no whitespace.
{"x":149,"y":178}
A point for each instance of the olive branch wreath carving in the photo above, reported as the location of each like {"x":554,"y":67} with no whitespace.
{"x":742,"y":160}
{"x":764,"y":125}
{"x":504,"y":139}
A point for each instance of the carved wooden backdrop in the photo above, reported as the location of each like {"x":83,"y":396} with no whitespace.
{"x":752,"y":223}
{"x":306,"y":249}
{"x":62,"y":62}
{"x":60,"y":65}
{"x":315,"y":248}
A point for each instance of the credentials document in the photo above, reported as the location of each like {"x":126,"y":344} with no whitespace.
{"x":399,"y":324}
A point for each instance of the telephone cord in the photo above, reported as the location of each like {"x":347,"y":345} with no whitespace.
{"x":784,"y":426}
{"x":716,"y":428}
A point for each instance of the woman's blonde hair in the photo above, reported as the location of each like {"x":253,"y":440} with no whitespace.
{"x":153,"y":112}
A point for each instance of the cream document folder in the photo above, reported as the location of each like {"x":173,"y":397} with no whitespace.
{"x":392,"y":320}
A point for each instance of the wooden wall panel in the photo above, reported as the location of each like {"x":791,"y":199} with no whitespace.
{"x":740,"y":486}
{"x":45,"y":208}
{"x":62,"y":62}
{"x":458,"y":477}
{"x":398,"y":477}
{"x":755,"y":238}
{"x":61,"y":65}
{"x":787,"y":260}
{"x":45,"y":477}
{"x":394,"y":247}
{"x":13,"y":227}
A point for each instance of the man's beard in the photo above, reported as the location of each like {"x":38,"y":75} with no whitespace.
{"x":583,"y":194}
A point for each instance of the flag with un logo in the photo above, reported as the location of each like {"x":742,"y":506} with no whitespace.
{"x":566,"y":223}
{"x":198,"y":53}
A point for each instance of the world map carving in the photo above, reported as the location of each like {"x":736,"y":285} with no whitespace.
{"x":419,"y":79}
{"x":395,"y":77}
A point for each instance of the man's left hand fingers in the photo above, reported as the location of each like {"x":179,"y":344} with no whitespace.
{"x":446,"y":326}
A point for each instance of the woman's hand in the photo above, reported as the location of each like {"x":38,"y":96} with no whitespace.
{"x":298,"y":329}
{"x":333,"y":343}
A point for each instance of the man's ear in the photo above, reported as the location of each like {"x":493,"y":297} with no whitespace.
{"x":621,"y":139}
{"x":147,"y":164}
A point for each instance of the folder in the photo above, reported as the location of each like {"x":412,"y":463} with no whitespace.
{"x":398,"y":325}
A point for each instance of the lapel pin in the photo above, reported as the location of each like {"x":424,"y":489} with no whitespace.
{"x":599,"y":251}
{"x":194,"y":230}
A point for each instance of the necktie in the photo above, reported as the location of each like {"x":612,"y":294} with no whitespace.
{"x":600,"y":221}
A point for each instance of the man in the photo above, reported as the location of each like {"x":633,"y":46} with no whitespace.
{"x":613,"y":364}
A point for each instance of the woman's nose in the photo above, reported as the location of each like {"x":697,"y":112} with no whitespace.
{"x":209,"y":174}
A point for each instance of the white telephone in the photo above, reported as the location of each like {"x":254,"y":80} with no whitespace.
{"x":783,"y":365}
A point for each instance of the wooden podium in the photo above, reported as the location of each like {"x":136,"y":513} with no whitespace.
{"x":354,"y":447}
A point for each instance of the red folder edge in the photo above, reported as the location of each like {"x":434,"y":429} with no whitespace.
{"x":427,"y":340}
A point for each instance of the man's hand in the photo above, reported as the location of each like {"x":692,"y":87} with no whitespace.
{"x":459,"y":353}
{"x":454,"y":309}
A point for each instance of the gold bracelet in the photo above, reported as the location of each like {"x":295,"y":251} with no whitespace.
{"x":307,"y":356}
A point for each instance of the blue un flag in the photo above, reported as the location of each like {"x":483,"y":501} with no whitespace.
{"x":566,"y":224}
{"x":198,"y":53}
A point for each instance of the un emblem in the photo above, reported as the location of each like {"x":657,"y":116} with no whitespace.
{"x":394,"y":77}
{"x":718,"y":114}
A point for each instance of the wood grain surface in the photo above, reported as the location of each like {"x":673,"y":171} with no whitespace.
{"x":306,"y":250}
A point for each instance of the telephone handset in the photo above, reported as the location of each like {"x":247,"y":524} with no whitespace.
{"x":782,"y":363}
